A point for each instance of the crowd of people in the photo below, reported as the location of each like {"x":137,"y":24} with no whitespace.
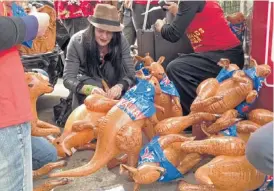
{"x":99,"y":49}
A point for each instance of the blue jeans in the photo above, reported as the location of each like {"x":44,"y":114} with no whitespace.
{"x":43,"y":152}
{"x":15,"y":158}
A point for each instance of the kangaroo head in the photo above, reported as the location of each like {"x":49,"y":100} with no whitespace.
{"x":262,"y":70}
{"x":236,"y":18}
{"x":144,"y":174}
{"x":156,"y":69}
{"x":225,"y":63}
{"x":154,"y":81}
{"x":147,"y":59}
{"x":38,"y":84}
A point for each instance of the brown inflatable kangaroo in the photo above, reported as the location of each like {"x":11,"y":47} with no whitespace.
{"x":118,"y":133}
{"x":80,"y":128}
{"x":229,"y":171}
{"x":255,"y":119}
{"x":149,"y":172}
{"x":222,"y":98}
{"x":38,"y":84}
{"x":45,"y":43}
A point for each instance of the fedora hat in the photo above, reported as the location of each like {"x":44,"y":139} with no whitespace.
{"x":106,"y":17}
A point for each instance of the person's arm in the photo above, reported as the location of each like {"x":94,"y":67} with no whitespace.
{"x":186,"y":13}
{"x":71,"y":67}
{"x":16,"y":30}
{"x":128,"y":78}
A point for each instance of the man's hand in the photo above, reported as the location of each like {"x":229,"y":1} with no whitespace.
{"x":115,"y":92}
{"x":43,"y":20}
{"x":159,"y":25}
{"x":128,"y":4}
{"x":171,"y":7}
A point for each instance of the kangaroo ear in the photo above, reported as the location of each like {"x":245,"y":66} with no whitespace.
{"x":139,"y":58}
{"x":253,"y":63}
{"x":161,"y":60}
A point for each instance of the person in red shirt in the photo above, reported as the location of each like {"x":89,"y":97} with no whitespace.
{"x":15,"y":107}
{"x":211,"y":38}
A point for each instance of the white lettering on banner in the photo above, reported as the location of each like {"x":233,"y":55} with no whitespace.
{"x":267,"y":46}
{"x":132,"y":108}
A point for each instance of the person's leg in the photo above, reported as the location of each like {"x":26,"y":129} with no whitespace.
{"x":188,"y":71}
{"x":129,"y":30}
{"x":43,"y":152}
{"x":75,"y":25}
{"x":259,"y":149}
{"x":15,"y":158}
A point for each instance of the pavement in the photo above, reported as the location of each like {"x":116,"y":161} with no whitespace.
{"x":102,"y":179}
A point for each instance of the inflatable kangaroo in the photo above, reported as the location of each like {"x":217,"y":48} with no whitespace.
{"x":80,"y":128}
{"x":147,"y":60}
{"x":50,"y":184}
{"x":229,"y":171}
{"x":120,"y":131}
{"x":38,"y":84}
{"x":170,"y":98}
{"x":232,"y":88}
{"x":45,"y":43}
{"x":255,"y":119}
{"x":162,"y":160}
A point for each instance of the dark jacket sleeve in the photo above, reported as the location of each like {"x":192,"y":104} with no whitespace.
{"x":186,"y":12}
{"x":15,"y":30}
{"x":71,"y":67}
{"x":128,"y":75}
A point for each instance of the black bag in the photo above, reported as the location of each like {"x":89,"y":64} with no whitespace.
{"x":152,"y":42}
{"x":62,"y":110}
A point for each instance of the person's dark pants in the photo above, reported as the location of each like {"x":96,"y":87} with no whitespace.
{"x":138,"y":18}
{"x":259,"y":149}
{"x":74,"y":25}
{"x":129,"y":30}
{"x":189,"y":70}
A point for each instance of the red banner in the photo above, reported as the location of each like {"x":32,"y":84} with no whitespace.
{"x":263,"y":35}
{"x":263,"y":47}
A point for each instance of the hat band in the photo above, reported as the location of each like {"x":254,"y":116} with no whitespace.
{"x":105,"y":21}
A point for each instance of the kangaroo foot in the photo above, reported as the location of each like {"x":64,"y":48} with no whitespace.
{"x":48,"y":167}
{"x":198,"y":105}
{"x":117,"y":161}
{"x":50,"y":184}
{"x":226,"y":120}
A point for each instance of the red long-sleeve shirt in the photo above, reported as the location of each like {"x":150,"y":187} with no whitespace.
{"x":15,"y":107}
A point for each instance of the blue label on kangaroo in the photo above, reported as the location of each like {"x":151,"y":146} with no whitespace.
{"x":138,"y":102}
{"x":168,"y":87}
{"x":152,"y":152}
{"x":224,"y":74}
{"x":18,"y":11}
{"x":230,"y":131}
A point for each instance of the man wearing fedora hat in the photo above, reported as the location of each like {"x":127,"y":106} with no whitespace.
{"x":98,"y":53}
